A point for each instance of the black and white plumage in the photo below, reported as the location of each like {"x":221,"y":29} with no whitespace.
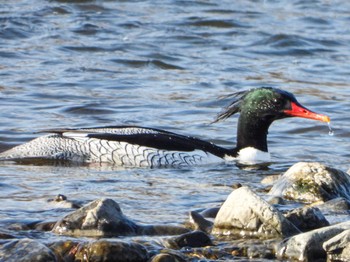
{"x":119,"y":145}
{"x":148,"y":147}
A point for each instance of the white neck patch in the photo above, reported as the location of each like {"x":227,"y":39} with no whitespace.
{"x":251,"y":156}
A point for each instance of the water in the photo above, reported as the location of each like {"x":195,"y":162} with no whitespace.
{"x":164,"y":64}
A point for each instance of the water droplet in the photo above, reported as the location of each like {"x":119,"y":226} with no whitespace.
{"x":331,"y":132}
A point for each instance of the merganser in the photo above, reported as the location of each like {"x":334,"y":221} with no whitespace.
{"x":141,"y":146}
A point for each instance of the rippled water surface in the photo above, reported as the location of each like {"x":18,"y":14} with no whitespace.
{"x":164,"y":64}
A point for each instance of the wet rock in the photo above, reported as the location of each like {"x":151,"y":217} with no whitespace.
{"x":312,"y":182}
{"x":259,"y":251}
{"x":210,"y":212}
{"x":308,"y":246}
{"x":338,"y":247}
{"x":276,"y":200}
{"x":64,"y":250}
{"x":335,"y":205}
{"x":169,"y":256}
{"x":270,"y":180}
{"x":98,"y":218}
{"x":159,"y":230}
{"x":44,"y":226}
{"x":104,"y":218}
{"x":103,"y":250}
{"x":190,"y":239}
{"x":244,"y":212}
{"x":307,"y":218}
{"x":336,"y":210}
{"x":198,"y":222}
{"x":25,"y":250}
{"x":63,"y":202}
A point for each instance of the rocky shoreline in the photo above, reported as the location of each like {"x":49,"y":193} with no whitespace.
{"x":302,"y":215}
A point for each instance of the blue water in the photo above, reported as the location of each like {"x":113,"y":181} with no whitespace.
{"x":164,"y":64}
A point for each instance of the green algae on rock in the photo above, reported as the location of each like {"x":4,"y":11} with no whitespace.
{"x":312,"y":182}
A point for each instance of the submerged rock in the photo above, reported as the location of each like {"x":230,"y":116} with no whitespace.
{"x":6,"y":234}
{"x":312,"y":182}
{"x":108,"y":250}
{"x":307,"y":218}
{"x":244,"y":212}
{"x":65,"y":250}
{"x":63,"y":202}
{"x":25,"y":250}
{"x":104,"y":217}
{"x":338,"y":247}
{"x":308,"y":246}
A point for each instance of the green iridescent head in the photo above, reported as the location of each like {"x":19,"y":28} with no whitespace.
{"x":263,"y":101}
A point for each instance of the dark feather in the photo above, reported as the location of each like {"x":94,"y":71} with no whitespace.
{"x":234,"y":107}
{"x":148,"y":137}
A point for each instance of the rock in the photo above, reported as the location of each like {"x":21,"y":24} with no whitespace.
{"x":190,"y":239}
{"x":312,"y":182}
{"x":25,"y":250}
{"x":244,"y":212}
{"x":63,"y":202}
{"x":98,"y":218}
{"x":198,"y":222}
{"x":270,"y":180}
{"x":307,"y":218}
{"x":308,"y":246}
{"x":276,"y":200}
{"x":338,"y":247}
{"x":335,"y":205}
{"x":104,"y":218}
{"x":210,"y":212}
{"x":336,"y":210}
{"x":169,"y":256}
{"x":64,"y":250}
{"x":44,"y":226}
{"x":158,"y":230}
{"x":108,"y":250}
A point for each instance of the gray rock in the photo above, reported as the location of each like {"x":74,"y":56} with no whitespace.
{"x":21,"y":250}
{"x":307,"y":218}
{"x":210,"y":212}
{"x":104,"y":218}
{"x":270,"y":180}
{"x":336,"y":210}
{"x":98,"y":218}
{"x":338,"y":247}
{"x":335,"y":205}
{"x":308,"y":246}
{"x":312,"y":182}
{"x":245,"y":213}
{"x":198,"y":222}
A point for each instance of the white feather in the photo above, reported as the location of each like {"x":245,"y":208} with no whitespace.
{"x":251,"y":156}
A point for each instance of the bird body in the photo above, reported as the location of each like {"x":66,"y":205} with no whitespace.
{"x":149,"y":147}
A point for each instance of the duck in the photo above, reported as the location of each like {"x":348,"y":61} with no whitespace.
{"x":137,"y":146}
